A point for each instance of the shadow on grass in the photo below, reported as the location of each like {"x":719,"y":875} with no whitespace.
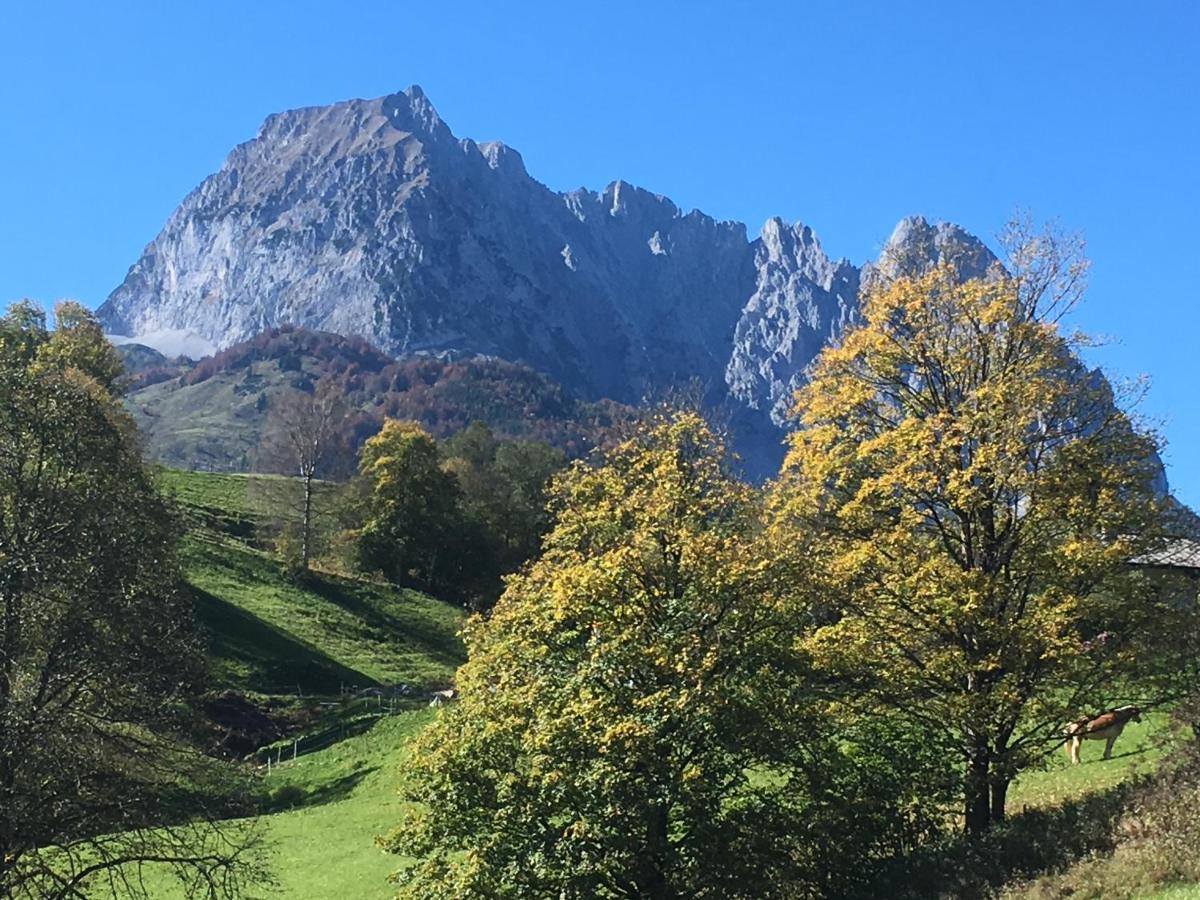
{"x":338,"y":789}
{"x":1137,"y":751}
{"x":273,"y":658}
{"x":440,"y":640}
{"x":1032,"y":843}
{"x":336,"y":732}
{"x":292,"y":796}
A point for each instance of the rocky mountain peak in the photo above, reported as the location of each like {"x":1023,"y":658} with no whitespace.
{"x":411,"y":111}
{"x":801,"y":301}
{"x":915,"y":245}
{"x":500,"y":156}
{"x":369,"y":218}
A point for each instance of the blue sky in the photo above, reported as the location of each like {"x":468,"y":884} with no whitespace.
{"x":844,"y":115}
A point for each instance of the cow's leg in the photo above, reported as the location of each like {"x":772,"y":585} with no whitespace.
{"x":1075,"y":744}
{"x":1108,"y":745}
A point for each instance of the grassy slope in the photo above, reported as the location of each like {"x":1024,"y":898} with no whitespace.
{"x":1137,"y":752}
{"x":216,"y":421}
{"x":327,"y":850}
{"x":227,"y":493}
{"x":274,"y":635}
{"x":1140,"y":750}
{"x":324,"y":849}
{"x":270,"y":635}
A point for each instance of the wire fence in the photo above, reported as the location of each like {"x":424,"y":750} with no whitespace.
{"x":348,"y":716}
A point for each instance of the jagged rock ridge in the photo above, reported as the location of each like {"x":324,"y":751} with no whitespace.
{"x":369,"y":218}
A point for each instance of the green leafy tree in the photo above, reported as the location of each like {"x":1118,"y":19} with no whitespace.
{"x":412,"y":527}
{"x":633,"y":721}
{"x":523,"y":470}
{"x":504,"y":495}
{"x":976,"y":497}
{"x":97,"y":648}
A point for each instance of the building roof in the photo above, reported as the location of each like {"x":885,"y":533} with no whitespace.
{"x":1177,"y":553}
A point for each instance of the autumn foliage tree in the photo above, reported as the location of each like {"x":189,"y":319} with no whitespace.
{"x":977,"y":497}
{"x":635,"y":720}
{"x":615,"y":700}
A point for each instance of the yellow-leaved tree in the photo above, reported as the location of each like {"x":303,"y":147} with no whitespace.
{"x":977,"y":495}
{"x":634,"y":720}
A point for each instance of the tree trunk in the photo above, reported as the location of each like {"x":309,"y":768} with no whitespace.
{"x":978,"y":789}
{"x":1002,"y":775}
{"x":653,"y":881}
{"x":999,"y":797}
{"x":306,"y":536}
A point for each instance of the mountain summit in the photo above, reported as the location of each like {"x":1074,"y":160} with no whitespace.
{"x":370,"y":218}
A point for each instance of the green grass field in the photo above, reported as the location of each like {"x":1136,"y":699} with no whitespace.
{"x":1138,"y":751}
{"x":272,"y":635}
{"x":227,"y":493}
{"x":1141,"y":749}
{"x":326,"y":849}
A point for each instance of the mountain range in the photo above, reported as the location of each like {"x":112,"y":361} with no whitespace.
{"x":370,"y":219}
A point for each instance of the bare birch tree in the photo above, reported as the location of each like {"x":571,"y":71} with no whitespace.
{"x":301,"y":437}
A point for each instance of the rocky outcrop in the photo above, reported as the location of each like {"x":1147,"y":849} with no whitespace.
{"x":369,"y":218}
{"x":802,"y":300}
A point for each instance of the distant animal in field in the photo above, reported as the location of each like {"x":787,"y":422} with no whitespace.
{"x":1107,"y":726}
{"x":441,"y":698}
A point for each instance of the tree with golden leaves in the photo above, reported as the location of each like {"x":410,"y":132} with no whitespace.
{"x":634,"y":720}
{"x":978,"y":496}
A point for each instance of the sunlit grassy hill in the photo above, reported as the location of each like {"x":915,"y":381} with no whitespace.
{"x":274,"y":634}
{"x":298,"y":645}
{"x":279,"y":641}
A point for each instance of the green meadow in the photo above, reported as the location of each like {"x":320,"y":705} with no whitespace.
{"x":279,"y":639}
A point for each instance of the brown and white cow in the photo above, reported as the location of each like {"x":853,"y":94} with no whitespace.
{"x":1106,"y":726}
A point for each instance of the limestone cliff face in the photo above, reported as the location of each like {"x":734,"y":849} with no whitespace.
{"x":801,"y":301}
{"x":370,"y":218}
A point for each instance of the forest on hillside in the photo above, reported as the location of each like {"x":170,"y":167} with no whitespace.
{"x":213,"y":414}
